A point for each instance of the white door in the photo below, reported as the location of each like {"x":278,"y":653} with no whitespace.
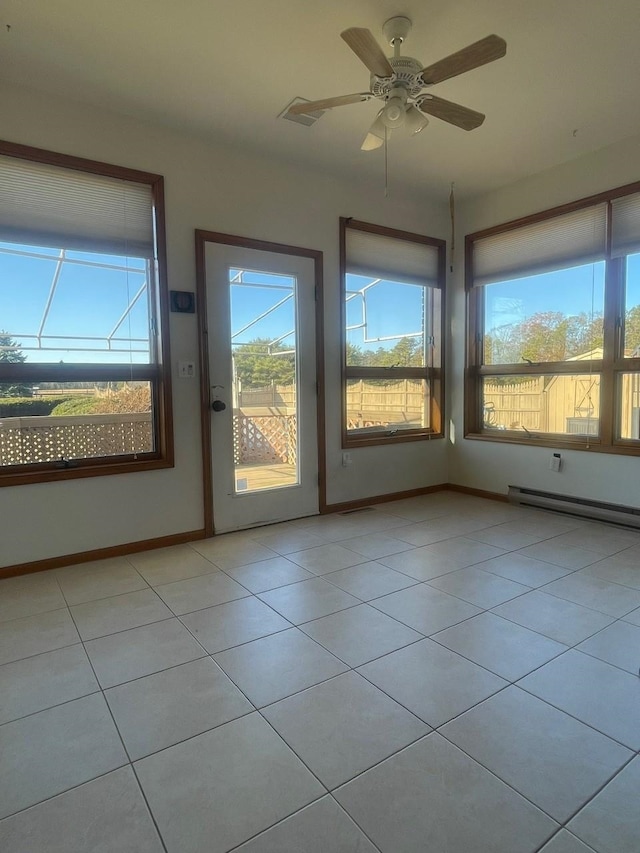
{"x":261,"y":338}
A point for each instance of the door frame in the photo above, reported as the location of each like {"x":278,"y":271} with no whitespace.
{"x":202,"y":238}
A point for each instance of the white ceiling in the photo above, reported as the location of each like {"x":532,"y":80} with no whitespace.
{"x":226,"y":68}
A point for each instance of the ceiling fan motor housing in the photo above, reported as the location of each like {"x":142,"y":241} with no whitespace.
{"x":406,"y":72}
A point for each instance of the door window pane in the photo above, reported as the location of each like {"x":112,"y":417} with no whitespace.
{"x":554,"y":316}
{"x":265,"y":384}
{"x":562,"y":404}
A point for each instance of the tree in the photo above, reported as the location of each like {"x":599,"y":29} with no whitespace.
{"x":11,"y":353}
{"x":545,"y":336}
{"x":258,"y":363}
{"x":632,"y":331}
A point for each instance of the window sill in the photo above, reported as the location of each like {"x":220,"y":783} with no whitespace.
{"x":364,"y":440}
{"x":52,"y":474}
{"x":621,"y":448}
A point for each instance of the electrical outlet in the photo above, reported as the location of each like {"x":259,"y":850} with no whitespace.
{"x":555,"y":463}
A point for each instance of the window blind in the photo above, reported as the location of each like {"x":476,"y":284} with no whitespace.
{"x":564,"y":241}
{"x":625,"y":225}
{"x":44,"y":205}
{"x":391,"y":258}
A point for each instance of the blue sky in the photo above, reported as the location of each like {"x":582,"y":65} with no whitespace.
{"x":570,"y":292}
{"x":89,"y":301}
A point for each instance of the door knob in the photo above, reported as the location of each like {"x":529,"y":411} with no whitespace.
{"x":218,"y":406}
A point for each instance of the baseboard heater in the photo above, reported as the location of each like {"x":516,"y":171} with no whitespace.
{"x":628,"y":516}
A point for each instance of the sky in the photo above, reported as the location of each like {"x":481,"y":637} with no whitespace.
{"x":89,"y":301}
{"x":569,"y":292}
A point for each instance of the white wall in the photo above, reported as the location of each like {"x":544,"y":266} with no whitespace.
{"x":493,"y":466}
{"x":220,"y":190}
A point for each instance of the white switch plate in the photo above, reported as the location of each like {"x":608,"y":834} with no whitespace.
{"x":186,"y":369}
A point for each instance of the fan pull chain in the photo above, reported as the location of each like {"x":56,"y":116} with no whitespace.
{"x":452,"y":212}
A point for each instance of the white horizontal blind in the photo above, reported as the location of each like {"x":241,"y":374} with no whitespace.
{"x":564,"y":241}
{"x":53,"y":206}
{"x":625,"y":225}
{"x":391,"y":258}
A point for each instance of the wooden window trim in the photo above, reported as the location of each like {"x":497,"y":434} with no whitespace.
{"x":433,"y":375}
{"x":608,"y":368}
{"x":158,"y":373}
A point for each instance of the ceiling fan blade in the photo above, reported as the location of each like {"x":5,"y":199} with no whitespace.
{"x":453,"y":113}
{"x":375,"y":137}
{"x":480,"y":53}
{"x":327,"y":103}
{"x":367,"y":49}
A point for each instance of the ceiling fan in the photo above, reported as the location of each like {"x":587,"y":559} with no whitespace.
{"x":399,"y":82}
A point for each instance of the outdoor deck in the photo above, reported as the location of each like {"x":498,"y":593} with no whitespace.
{"x":265,"y":475}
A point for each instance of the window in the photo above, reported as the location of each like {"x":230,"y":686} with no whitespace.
{"x":83,"y":385}
{"x":392,"y":315}
{"x":554,"y":327}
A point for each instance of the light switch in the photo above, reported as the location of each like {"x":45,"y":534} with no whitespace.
{"x":186,"y":369}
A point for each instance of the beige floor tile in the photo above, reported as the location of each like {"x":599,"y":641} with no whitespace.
{"x":432,"y":790}
{"x":369,"y":580}
{"x":434,"y":683}
{"x":142,"y":651}
{"x":231,"y":624}
{"x":319,"y":828}
{"x":286,"y":541}
{"x":274,"y":667}
{"x":269,"y":574}
{"x":360,"y":634}
{"x":108,"y":815}
{"x":163,"y":709}
{"x":553,"y":760}
{"x":617,"y":570}
{"x":560,"y":620}
{"x":425,"y":609}
{"x":197,"y":593}
{"x":593,"y":592}
{"x":343,"y":727}
{"x":100,"y":579}
{"x":525,"y":570}
{"x":171,"y":564}
{"x":564,"y":842}
{"x":110,"y":615}
{"x":619,"y":644}
{"x":301,"y":602}
{"x":601,"y":538}
{"x":36,"y":683}
{"x":326,"y":558}
{"x":32,"y":635}
{"x":477,"y":587}
{"x":228,"y":552}
{"x":375,"y":545}
{"x":27,"y":595}
{"x":439,"y":529}
{"x":633,"y":617}
{"x":560,"y":554}
{"x":507,"y":539}
{"x":54,"y":750}
{"x":219,"y":789}
{"x":610,"y":823}
{"x":504,"y":648}
{"x":594,"y":692}
{"x":442,"y":557}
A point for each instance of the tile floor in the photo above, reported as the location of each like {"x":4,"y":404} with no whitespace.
{"x":443,"y":674}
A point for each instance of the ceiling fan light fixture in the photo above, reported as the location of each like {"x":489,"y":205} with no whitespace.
{"x":415,"y":121}
{"x":375,"y":137}
{"x":393,"y":112}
